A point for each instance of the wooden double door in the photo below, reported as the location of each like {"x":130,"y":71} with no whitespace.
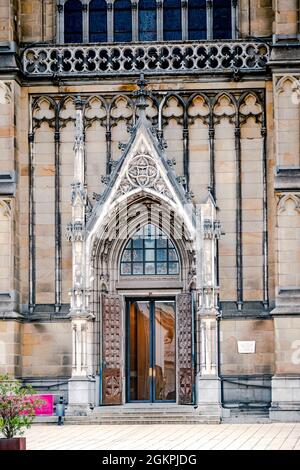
{"x":149,"y":348}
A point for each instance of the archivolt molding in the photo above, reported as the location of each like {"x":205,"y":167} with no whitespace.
{"x":109,"y":242}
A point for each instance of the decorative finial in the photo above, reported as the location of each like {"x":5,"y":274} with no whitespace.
{"x":142,"y":93}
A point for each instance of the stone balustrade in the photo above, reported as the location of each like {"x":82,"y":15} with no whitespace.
{"x":150,"y":58}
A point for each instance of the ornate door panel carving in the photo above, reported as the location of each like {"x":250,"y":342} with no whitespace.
{"x":185,"y":349}
{"x":112,"y":350}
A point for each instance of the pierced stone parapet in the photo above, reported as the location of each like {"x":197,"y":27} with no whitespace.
{"x":156,"y":58}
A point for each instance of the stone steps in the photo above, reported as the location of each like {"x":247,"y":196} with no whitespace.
{"x":173,"y":414}
{"x":146,"y":419}
{"x":152,"y":414}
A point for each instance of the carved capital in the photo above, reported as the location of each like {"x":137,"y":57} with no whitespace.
{"x":75,"y":232}
{"x":212,"y":229}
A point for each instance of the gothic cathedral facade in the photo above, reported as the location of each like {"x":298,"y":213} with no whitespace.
{"x":150,"y":204}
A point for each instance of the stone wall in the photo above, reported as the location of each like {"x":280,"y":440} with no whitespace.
{"x":235,"y":363}
{"x":46,"y":349}
{"x":10,"y":348}
{"x":286,"y":17}
{"x":287,"y":345}
{"x":9,"y":30}
{"x":37,"y":20}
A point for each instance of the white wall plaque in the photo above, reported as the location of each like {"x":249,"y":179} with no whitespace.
{"x":246,"y":347}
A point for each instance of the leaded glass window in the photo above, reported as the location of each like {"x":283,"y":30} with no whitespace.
{"x":73,"y":21}
{"x":98,"y":21}
{"x":122,"y":21}
{"x":197,"y":19}
{"x":149,"y":252}
{"x":147,"y":20}
{"x":172,"y":20}
{"x":222,"y":19}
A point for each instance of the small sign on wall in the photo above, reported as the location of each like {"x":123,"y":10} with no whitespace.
{"x":246,"y":347}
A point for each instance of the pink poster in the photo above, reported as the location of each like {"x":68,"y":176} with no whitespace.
{"x":47,"y":407}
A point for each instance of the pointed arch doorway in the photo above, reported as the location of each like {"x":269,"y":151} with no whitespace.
{"x":148,"y":324}
{"x":150,"y":321}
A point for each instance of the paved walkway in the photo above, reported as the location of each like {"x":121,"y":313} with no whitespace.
{"x":166,"y":437}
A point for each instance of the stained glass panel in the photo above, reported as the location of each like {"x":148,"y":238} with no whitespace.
{"x":161,"y":268}
{"x":149,"y":268}
{"x":149,"y":255}
{"x":137,"y":255}
{"x":137,"y":268}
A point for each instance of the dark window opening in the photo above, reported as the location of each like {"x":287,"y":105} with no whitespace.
{"x":122,"y":21}
{"x":222,"y":21}
{"x":197,"y":19}
{"x":147,"y":20}
{"x":172,"y":20}
{"x":98,"y":21}
{"x":73,"y":21}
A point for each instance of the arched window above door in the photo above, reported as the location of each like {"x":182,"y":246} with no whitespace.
{"x":149,"y":252}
